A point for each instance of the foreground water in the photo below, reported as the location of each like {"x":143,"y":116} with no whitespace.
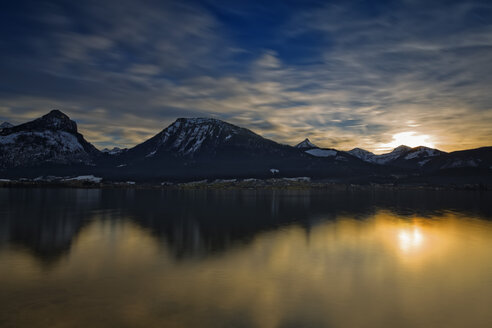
{"x":152,"y":258}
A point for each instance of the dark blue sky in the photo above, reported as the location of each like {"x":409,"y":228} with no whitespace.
{"x":343,"y":73}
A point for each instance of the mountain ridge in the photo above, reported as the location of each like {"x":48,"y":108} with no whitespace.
{"x":192,"y":148}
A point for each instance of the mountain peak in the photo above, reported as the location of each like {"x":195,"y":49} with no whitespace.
{"x":55,"y":120}
{"x":401,"y":148}
{"x":56,"y":113}
{"x":362,"y":154}
{"x":5,"y":125}
{"x":360,"y":150}
{"x":306,"y":144}
{"x":200,"y":136}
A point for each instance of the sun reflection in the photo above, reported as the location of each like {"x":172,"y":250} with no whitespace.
{"x":410,"y":240}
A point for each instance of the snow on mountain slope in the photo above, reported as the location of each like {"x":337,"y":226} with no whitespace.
{"x":399,"y":155}
{"x":5,"y":125}
{"x":423,"y":152}
{"x":471,"y":158}
{"x":191,"y":137}
{"x":393,"y":155}
{"x":306,"y":144}
{"x":64,"y":141}
{"x":379,"y":159}
{"x":52,"y":138}
{"x":317,"y":152}
{"x":362,"y":154}
{"x":113,"y":151}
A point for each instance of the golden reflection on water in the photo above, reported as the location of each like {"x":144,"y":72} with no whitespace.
{"x":386,"y":271}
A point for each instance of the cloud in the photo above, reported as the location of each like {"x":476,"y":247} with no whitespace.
{"x":142,"y":69}
{"x":343,"y":74}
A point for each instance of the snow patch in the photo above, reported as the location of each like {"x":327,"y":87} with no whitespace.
{"x":425,"y":161}
{"x":362,"y":154}
{"x":195,"y":182}
{"x":298,"y":179}
{"x":67,"y":142}
{"x":114,"y":151}
{"x":225,"y":180}
{"x":89,"y":178}
{"x":423,"y":152}
{"x":460,"y":163}
{"x":321,"y":152}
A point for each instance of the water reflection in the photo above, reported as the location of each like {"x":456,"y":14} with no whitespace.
{"x":410,"y":240}
{"x":263,"y":259}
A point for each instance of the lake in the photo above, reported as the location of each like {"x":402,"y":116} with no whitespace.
{"x":266,"y":258}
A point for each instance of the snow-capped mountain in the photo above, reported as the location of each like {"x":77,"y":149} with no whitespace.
{"x":400,"y":156}
{"x":52,"y":138}
{"x":362,"y":154}
{"x":422,"y":152}
{"x":5,"y":125}
{"x":480,"y":159}
{"x":318,"y":152}
{"x":203,"y":147}
{"x":113,"y":151}
{"x":391,"y":156}
{"x":306,"y":144}
{"x":204,"y":137}
{"x":311,"y":149}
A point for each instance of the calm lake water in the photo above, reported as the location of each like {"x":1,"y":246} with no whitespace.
{"x":152,"y":258}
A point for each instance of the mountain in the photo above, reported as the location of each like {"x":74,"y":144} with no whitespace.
{"x":480,"y":159}
{"x":387,"y":158}
{"x":363,"y":154}
{"x":113,"y":151}
{"x":401,"y":156}
{"x":306,"y":144}
{"x":206,"y":147}
{"x":5,"y":125}
{"x":205,"y":138}
{"x":51,"y":139}
{"x":309,"y":148}
{"x":416,"y":158}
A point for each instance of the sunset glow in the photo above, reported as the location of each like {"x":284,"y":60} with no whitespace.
{"x":410,"y":139}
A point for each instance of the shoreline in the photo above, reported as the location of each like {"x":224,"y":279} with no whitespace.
{"x":248,"y":184}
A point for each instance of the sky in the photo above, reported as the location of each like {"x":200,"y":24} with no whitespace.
{"x":345,"y":74}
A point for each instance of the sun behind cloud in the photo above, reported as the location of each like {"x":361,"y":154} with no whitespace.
{"x":408,"y":138}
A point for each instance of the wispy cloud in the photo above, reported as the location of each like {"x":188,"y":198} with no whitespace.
{"x":344,"y":74}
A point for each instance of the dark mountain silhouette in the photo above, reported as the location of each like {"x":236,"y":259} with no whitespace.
{"x":206,"y":148}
